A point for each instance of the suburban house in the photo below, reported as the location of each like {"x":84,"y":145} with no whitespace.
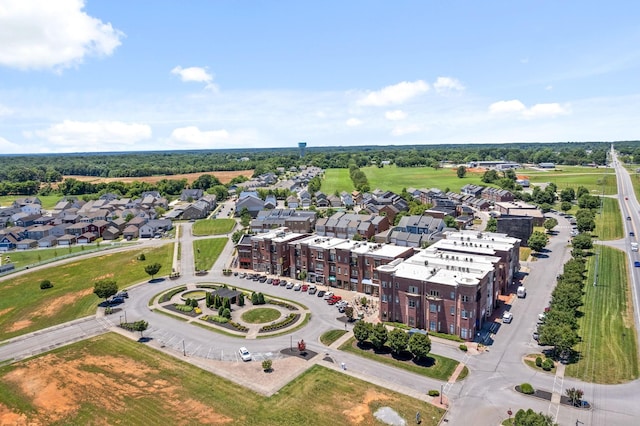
{"x":250,"y":201}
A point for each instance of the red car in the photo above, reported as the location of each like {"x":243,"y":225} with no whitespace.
{"x":276,"y":281}
{"x":334,"y":299}
{"x":305,"y":287}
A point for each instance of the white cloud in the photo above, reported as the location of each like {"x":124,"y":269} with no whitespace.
{"x":353,"y":122}
{"x":195,"y":137}
{"x":196,"y":74}
{"x":447,"y":84}
{"x":396,"y":94}
{"x":45,"y":34}
{"x":8,"y":147}
{"x":405,"y":130}
{"x":547,"y":110}
{"x":549,"y":88}
{"x":5,"y":110}
{"x":93,"y":135}
{"x":395,"y":115}
{"x":536,"y":111}
{"x":502,"y":107}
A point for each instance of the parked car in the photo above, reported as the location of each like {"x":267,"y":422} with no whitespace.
{"x":327,"y":295}
{"x":283,"y":283}
{"x":312,"y":289}
{"x":342,"y":303}
{"x":321,"y":293}
{"x":304,"y":287}
{"x":235,"y":274}
{"x":535,"y":335}
{"x":262,"y":279}
{"x":636,"y":264}
{"x":507,"y":317}
{"x":269,"y":280}
{"x":632,"y":234}
{"x":333,"y":299}
{"x":276,"y":281}
{"x":628,"y":217}
{"x":116,"y":300}
{"x":289,"y":285}
{"x":242,"y":275}
{"x":297,"y":287}
{"x":245,"y":355}
{"x":123,"y":293}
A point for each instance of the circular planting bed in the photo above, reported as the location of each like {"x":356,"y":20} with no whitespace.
{"x":193,"y":294}
{"x":261,"y":315}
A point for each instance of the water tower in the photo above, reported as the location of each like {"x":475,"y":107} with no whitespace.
{"x":302,"y":146}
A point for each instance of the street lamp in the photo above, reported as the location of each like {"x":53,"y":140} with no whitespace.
{"x":441,"y":391}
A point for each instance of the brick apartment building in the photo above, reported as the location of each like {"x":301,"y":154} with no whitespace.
{"x":270,"y":251}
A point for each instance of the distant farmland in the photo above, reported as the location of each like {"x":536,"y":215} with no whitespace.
{"x":224,"y":177}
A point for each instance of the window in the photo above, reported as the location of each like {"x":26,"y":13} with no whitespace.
{"x":397,"y":285}
{"x":366,"y":261}
{"x":452,"y":329}
{"x":463,"y":314}
{"x":412,"y":303}
{"x":452,"y":310}
{"x":463,"y":333}
{"x":433,"y":308}
{"x":465,"y":298}
{"x":384,"y":284}
{"x":413,"y":289}
{"x":320,"y":255}
{"x":397,"y":299}
{"x":453,"y":296}
{"x":435,"y":293}
{"x":432,"y":325}
{"x":339,"y":270}
{"x":412,"y":321}
{"x":384,"y":298}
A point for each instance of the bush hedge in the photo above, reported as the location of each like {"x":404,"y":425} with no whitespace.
{"x":527,"y":389}
{"x":168,"y":295}
{"x":285,"y":322}
{"x":433,"y":392}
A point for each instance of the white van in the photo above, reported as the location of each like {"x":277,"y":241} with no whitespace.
{"x":522,"y":292}
{"x":634,"y":246}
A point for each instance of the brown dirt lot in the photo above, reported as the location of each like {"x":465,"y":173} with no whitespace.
{"x":224,"y":177}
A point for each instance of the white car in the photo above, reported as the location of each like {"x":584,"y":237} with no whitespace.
{"x":328,"y":295}
{"x":507,"y":317}
{"x":244,"y":354}
{"x":297,"y":287}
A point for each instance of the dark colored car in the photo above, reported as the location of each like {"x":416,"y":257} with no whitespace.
{"x":312,"y":290}
{"x":283,"y":283}
{"x":269,"y":280}
{"x":116,"y":300}
{"x":636,"y":264}
{"x":321,"y":293}
{"x":262,"y":279}
{"x":632,"y":234}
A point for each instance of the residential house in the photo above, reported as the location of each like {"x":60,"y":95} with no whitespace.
{"x":155,"y":227}
{"x":113,"y":233}
{"x":251,"y":201}
{"x":191,"y":194}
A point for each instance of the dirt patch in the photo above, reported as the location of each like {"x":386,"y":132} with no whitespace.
{"x":58,"y":388}
{"x":5,"y":311}
{"x":223,"y":177}
{"x":358,"y":413}
{"x":54,"y":305}
{"x":19,"y":325}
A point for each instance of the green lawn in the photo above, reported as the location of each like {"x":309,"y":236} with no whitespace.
{"x":609,"y":348}
{"x":48,"y":201}
{"x":207,"y":251}
{"x":394,"y":178}
{"x":137,"y":385}
{"x":261,"y":315}
{"x":609,"y":223}
{"x":213,"y":226}
{"x":442,"y":368}
{"x":328,"y":337}
{"x":33,"y":257}
{"x":25,"y":308}
{"x":336,"y":180}
{"x":594,"y":179}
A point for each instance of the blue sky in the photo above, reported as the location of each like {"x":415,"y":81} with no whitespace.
{"x":116,"y":75}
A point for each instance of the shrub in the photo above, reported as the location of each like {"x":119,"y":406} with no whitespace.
{"x":194,"y":303}
{"x":197,"y":311}
{"x":266,"y":365}
{"x":45,"y":284}
{"x":527,"y":389}
{"x":142,"y":257}
{"x":221,"y":311}
{"x":433,"y":392}
{"x":108,"y":311}
{"x":547,"y":364}
{"x":463,"y":348}
{"x":226,"y":313}
{"x":538,"y":361}
{"x":241,"y":299}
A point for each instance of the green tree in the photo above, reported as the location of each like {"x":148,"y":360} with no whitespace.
{"x":537,"y":241}
{"x":531,"y":418}
{"x":490,"y":176}
{"x":241,"y":299}
{"x":419,"y":345}
{"x":567,"y":195}
{"x":492,"y":225}
{"x":574,"y":395}
{"x":105,"y":288}
{"x":379,"y":336}
{"x":45,"y":284}
{"x":461,"y":171}
{"x":398,"y":340}
{"x":362,"y":330}
{"x":582,"y":242}
{"x":152,"y":269}
{"x":550,"y":223}
{"x":565,"y":206}
{"x":140,"y":326}
{"x":267,"y":364}
{"x":348,"y":311}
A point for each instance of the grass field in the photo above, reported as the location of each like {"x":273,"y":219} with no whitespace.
{"x":207,"y":251}
{"x":594,"y":179}
{"x":48,"y":201}
{"x":442,"y":368}
{"x":261,"y":315}
{"x":213,"y":226}
{"x":33,"y":257}
{"x":609,"y":348}
{"x":609,"y":223}
{"x":25,"y":308}
{"x":336,"y":180}
{"x":90,"y":383}
{"x":328,"y":337}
